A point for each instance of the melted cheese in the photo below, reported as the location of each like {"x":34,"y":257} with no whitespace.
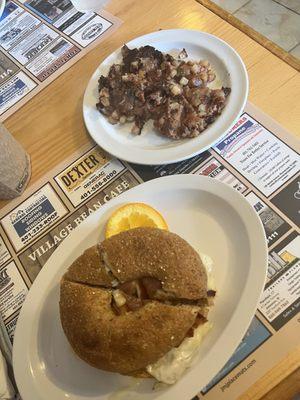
{"x":169,"y":368}
{"x":119,"y":298}
{"x":208,"y":264}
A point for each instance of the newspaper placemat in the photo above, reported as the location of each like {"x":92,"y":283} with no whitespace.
{"x":257,"y":158}
{"x":39,"y":40}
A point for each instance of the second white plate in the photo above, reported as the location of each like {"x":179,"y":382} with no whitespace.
{"x":150,"y":147}
{"x":215,"y":220}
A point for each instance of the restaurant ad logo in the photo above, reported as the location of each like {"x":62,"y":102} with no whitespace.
{"x":16,"y":215}
{"x":227,"y":145}
{"x":87,"y":175}
{"x":92,"y":31}
{"x":76,"y":173}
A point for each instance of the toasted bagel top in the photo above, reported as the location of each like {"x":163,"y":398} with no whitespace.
{"x":143,"y":252}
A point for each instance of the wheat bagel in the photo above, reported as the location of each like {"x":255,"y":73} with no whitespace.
{"x":161,"y":285}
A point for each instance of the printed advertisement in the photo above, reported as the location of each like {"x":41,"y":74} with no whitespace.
{"x":52,"y":59}
{"x":33,"y":217}
{"x":91,"y":31}
{"x":72,"y":20}
{"x":258,"y":155}
{"x":14,"y":31}
{"x":215,"y":169}
{"x":34,"y":225}
{"x":12,"y":290}
{"x":14,"y":90}
{"x":281,"y":298}
{"x":275,"y":227}
{"x":45,"y":37}
{"x":48,"y":10}
{"x":11,"y":10}
{"x":35,"y":43}
{"x":87,"y":175}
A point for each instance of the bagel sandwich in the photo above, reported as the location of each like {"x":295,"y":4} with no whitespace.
{"x":132,"y":303}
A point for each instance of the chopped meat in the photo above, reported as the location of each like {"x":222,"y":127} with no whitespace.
{"x":151,"y":85}
{"x":200,"y":320}
{"x":211,"y":293}
{"x":152,"y":286}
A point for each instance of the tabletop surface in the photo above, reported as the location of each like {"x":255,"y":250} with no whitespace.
{"x":50,"y":126}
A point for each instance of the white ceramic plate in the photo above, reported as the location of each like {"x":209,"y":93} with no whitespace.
{"x":150,"y":147}
{"x":217,"y":221}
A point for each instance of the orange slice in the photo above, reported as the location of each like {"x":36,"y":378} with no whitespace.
{"x":134,"y":215}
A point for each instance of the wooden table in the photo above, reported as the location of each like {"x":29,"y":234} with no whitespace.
{"x":50,"y":126}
